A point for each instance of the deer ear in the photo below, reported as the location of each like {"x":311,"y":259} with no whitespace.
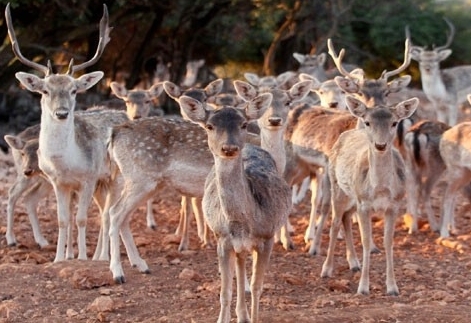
{"x":300,"y":90}
{"x":355,"y":106}
{"x":406,"y":108}
{"x":30,"y":81}
{"x":469,"y":98}
{"x":192,"y":109}
{"x":347,"y":84}
{"x":245,"y":90}
{"x":443,"y":54}
{"x":399,"y":83}
{"x":14,"y":142}
{"x":119,"y":90}
{"x":257,"y":107}
{"x":86,"y":81}
{"x":299,"y":57}
{"x":315,"y":83}
{"x":214,"y":87}
{"x":172,"y":90}
{"x":252,"y":78}
{"x":156,"y":90}
{"x":321,"y":58}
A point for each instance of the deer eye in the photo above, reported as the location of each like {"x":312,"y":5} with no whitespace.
{"x":244,"y":125}
{"x":367,"y":123}
{"x":73,"y":92}
{"x":209,"y":127}
{"x":394,"y":124}
{"x":45,"y":92}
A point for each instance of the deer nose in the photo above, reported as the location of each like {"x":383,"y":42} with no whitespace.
{"x":333,"y":104}
{"x":230,"y":150}
{"x":380,"y":147}
{"x":275,"y":121}
{"x":61,"y":113}
{"x":28,"y":172}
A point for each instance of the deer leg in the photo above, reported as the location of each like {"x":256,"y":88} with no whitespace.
{"x":364,"y":222}
{"x":32,"y":198}
{"x":413,"y":179}
{"x":150,"y":215}
{"x":84,"y":201}
{"x":183,"y":208}
{"x":261,"y":260}
{"x":352,"y":259}
{"x":63,"y":197}
{"x":14,"y":193}
{"x":226,"y":267}
{"x":455,"y":181}
{"x":339,"y":201}
{"x":241,"y":305}
{"x":185,"y":219}
{"x":324,"y":206}
{"x":426,"y":192}
{"x":130,"y":199}
{"x":389,"y":220}
{"x":131,"y":249}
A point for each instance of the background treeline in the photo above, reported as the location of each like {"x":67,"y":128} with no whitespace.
{"x":233,"y":36}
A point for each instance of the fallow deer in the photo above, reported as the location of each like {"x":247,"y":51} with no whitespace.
{"x":72,"y":152}
{"x":445,"y":88}
{"x":455,"y":149}
{"x":245,"y":200}
{"x":367,"y":175}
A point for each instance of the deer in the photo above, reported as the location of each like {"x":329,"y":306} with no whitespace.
{"x":72,"y":152}
{"x":273,"y":123}
{"x":367,"y":175}
{"x":27,"y":184}
{"x":245,"y":201}
{"x":314,"y":130}
{"x":455,"y":150}
{"x":445,"y":88}
{"x":424,"y":167}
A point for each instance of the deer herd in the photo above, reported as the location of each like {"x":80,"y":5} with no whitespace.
{"x":237,"y":159}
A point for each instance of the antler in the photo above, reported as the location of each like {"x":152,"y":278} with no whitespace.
{"x":16,"y":48}
{"x":104,"y":39}
{"x":407,"y":58}
{"x":338,"y":60}
{"x":450,"y":36}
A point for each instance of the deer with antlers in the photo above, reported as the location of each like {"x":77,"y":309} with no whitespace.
{"x":445,"y":88}
{"x":72,"y":152}
{"x":313,"y":132}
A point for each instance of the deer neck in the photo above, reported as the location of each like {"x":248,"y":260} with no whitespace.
{"x":380,"y":166}
{"x":233,"y":189}
{"x":433,"y":85}
{"x":56,"y":137}
{"x":273,"y":142}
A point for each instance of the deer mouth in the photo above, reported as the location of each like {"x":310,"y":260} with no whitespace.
{"x":380,"y":147}
{"x":61,"y":114}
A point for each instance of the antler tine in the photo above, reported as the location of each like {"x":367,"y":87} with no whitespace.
{"x":405,"y":64}
{"x":16,"y":47}
{"x":408,"y":34}
{"x":338,"y":59}
{"x":104,"y":39}
{"x":451,"y":35}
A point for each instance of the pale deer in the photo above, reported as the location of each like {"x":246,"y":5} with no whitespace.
{"x":445,"y":88}
{"x":455,"y":149}
{"x":424,"y":167}
{"x":245,"y":200}
{"x":367,"y":175}
{"x":72,"y":152}
{"x":313,"y":131}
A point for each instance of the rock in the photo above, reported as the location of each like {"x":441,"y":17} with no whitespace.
{"x":102,"y":304}
{"x":189,"y":274}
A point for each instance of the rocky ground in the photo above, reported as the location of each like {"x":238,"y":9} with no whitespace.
{"x":433,"y":275}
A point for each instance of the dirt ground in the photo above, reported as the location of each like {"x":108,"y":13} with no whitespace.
{"x":434,"y":277}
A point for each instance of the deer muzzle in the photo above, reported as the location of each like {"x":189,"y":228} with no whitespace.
{"x":61,"y":113}
{"x":380,"y":147}
{"x":230,"y":150}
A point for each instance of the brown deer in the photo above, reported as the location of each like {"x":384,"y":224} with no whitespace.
{"x":445,"y":88}
{"x":455,"y":149}
{"x":72,"y":152}
{"x":367,"y":175}
{"x":424,"y":167}
{"x":245,"y":200}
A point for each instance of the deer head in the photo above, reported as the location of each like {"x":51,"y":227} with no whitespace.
{"x":58,"y":91}
{"x":429,"y":60}
{"x":372,"y":92}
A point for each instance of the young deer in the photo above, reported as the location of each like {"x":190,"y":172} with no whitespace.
{"x":455,"y":149}
{"x":28,"y":183}
{"x":72,"y":152}
{"x":424,"y":167}
{"x":245,"y":200}
{"x":367,"y":175}
{"x":445,"y":88}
